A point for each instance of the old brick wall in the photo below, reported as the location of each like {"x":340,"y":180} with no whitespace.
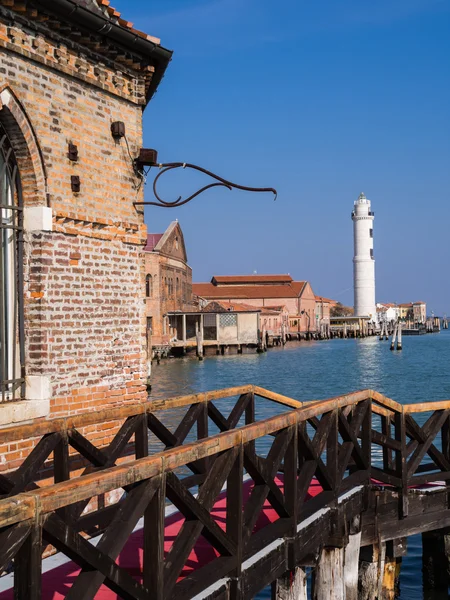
{"x":85,"y":280}
{"x":172,"y":283}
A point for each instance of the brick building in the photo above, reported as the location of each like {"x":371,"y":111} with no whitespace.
{"x":265,"y":291}
{"x":72,"y":304}
{"x":168,"y":279}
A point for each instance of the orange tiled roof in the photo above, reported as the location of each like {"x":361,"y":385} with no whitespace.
{"x":104,"y":7}
{"x":251,"y":279}
{"x":210,"y":291}
{"x":218,"y":306}
{"x":323,"y":299}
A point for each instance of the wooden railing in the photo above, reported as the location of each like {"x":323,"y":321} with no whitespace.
{"x":333,"y":445}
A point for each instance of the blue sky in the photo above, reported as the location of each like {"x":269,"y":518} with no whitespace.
{"x":321,"y":99}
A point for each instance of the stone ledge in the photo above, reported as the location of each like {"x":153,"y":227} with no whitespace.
{"x":13,"y":413}
{"x":37,"y":218}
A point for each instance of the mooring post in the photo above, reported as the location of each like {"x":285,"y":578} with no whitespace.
{"x":351,"y":560}
{"x":328,"y":582}
{"x":395,"y":549}
{"x":435,"y":559}
{"x":291,"y":586}
{"x":394,"y":337}
{"x":399,"y":339}
{"x":371,"y":571}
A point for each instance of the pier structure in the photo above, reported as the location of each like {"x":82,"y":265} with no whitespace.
{"x":363,"y":260}
{"x":196,"y":497}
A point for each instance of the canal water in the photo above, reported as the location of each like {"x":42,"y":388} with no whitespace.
{"x":322,"y":369}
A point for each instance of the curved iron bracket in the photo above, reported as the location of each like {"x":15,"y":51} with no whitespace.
{"x":180,"y":201}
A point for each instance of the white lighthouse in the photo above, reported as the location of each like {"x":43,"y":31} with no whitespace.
{"x":363,"y":260}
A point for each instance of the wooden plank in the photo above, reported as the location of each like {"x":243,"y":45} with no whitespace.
{"x":384,"y":440}
{"x":434,"y":453}
{"x":121,"y":439}
{"x":73,"y":545}
{"x":235,"y":515}
{"x":153,"y":562}
{"x":260,"y":492}
{"x":278,"y":398}
{"x":86,"y":448}
{"x":191,"y":530}
{"x":11,"y":540}
{"x":238,"y":410}
{"x":141,"y":438}
{"x":187,"y":423}
{"x":257,"y":472}
{"x":128,"y":513}
{"x":28,"y":566}
{"x":192,"y":509}
{"x":438,"y":420}
{"x":29,"y":469}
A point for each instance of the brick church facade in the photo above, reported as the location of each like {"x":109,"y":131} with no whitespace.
{"x":168,"y":282}
{"x":74,"y":81}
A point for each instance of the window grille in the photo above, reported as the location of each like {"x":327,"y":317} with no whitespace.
{"x":12,"y":350}
{"x":227,"y":320}
{"x":209,"y":320}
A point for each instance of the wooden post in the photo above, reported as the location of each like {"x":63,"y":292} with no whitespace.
{"x":399,"y":339}
{"x":435,"y":559}
{"x":199,"y":335}
{"x":291,"y":586}
{"x":351,"y":561}
{"x":371,"y":570}
{"x":394,"y":337}
{"x":329,"y":575}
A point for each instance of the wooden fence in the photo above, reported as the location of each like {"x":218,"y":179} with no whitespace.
{"x":362,"y":438}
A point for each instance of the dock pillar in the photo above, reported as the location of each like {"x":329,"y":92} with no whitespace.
{"x":371,"y":571}
{"x":435,"y":559}
{"x":328,"y":582}
{"x":351,"y":560}
{"x":394,"y":337}
{"x":399,"y":339}
{"x":291,"y":586}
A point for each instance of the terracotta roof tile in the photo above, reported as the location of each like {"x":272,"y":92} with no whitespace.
{"x":250,"y":279}
{"x":152,"y":241}
{"x":209,"y":290}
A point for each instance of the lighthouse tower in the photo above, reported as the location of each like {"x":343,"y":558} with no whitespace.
{"x":363,"y":260}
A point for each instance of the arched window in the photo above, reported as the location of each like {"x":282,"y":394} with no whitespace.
{"x":148,"y":286}
{"x":12,"y":351}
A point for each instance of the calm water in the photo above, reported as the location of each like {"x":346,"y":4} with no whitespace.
{"x":318,"y":370}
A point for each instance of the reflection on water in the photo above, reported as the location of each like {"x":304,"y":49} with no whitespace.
{"x":318,"y":370}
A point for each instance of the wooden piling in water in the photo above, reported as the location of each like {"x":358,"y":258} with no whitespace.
{"x":435,"y":559}
{"x":394,"y":337}
{"x":399,"y":338}
{"x":351,"y":561}
{"x":328,"y":580}
{"x":291,"y":586}
{"x":371,"y":571}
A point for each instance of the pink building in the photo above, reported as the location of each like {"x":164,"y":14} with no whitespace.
{"x":266,"y":291}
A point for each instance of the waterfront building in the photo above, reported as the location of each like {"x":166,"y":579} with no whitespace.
{"x":219,"y":327}
{"x":168,"y":283}
{"x":405,"y":311}
{"x":73,"y":88}
{"x":363,"y":260}
{"x":419,"y":312}
{"x":262,"y":291}
{"x":323,"y":307}
{"x":387,"y":312}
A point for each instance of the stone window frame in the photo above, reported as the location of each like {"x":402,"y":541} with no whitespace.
{"x":37,"y":217}
{"x":12,"y":334}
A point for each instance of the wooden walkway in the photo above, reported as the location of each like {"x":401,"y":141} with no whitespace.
{"x":229,"y":504}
